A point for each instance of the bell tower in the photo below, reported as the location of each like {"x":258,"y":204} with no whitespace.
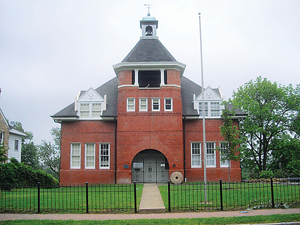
{"x":148,"y":24}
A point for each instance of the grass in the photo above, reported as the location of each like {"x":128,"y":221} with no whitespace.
{"x":101,"y":198}
{"x":212,"y":220}
{"x":191,"y":196}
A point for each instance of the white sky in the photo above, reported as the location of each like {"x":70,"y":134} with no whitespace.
{"x":52,"y":49}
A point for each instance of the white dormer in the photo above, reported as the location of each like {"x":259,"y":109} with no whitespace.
{"x":212,"y":100}
{"x":90,"y":105}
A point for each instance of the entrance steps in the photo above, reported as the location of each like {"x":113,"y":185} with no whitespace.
{"x":151,"y":201}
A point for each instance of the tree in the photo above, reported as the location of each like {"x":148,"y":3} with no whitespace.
{"x":272,"y":110}
{"x":50,"y":153}
{"x":30,"y":155}
{"x":3,"y":156}
{"x":231,"y":136}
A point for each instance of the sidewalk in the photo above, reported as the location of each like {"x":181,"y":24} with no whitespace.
{"x":145,"y":216}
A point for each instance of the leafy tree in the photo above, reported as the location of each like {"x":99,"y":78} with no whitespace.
{"x":272,"y":110}
{"x":30,"y":155}
{"x":231,"y":136}
{"x":3,"y":157}
{"x":50,"y":153}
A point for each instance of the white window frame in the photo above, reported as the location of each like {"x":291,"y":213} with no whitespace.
{"x":71,"y":156}
{"x":206,"y":109}
{"x":140,"y":104}
{"x":100,"y":155}
{"x":215,"y":110}
{"x":16,"y":145}
{"x":209,"y":155}
{"x":152,"y":104}
{"x":226,"y":163}
{"x":92,"y":155}
{"x":90,"y":111}
{"x":165,"y":101}
{"x":1,"y":137}
{"x":133,"y":105}
{"x":196,"y":155}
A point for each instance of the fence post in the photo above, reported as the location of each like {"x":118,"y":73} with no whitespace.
{"x":135,"y":208}
{"x":39,"y":198}
{"x":221,"y":194}
{"x":87,"y":196}
{"x":272,"y":193}
{"x":169,"y":195}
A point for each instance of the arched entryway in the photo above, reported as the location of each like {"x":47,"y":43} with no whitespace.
{"x":150,"y":166}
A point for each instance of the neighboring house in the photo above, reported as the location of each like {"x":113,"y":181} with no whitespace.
{"x":144,"y":124}
{"x":10,"y":138}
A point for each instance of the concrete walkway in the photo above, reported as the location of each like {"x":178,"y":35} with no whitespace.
{"x":147,"y":216}
{"x":151,"y":201}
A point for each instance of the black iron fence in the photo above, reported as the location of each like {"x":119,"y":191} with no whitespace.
{"x":254,"y":194}
{"x":70,"y":199}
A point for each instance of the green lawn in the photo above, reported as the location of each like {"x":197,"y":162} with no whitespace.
{"x":213,"y":220}
{"x":191,"y":196}
{"x":101,"y":198}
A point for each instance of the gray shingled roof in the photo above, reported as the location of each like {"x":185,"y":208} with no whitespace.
{"x":110,"y":89}
{"x":149,"y":50}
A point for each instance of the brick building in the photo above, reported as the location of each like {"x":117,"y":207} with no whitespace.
{"x":144,"y":124}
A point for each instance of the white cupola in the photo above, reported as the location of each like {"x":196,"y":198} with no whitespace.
{"x":149,"y":25}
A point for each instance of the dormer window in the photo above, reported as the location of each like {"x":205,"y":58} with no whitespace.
{"x":212,"y":103}
{"x":90,"y":105}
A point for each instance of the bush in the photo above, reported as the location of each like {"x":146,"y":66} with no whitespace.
{"x":15,"y":174}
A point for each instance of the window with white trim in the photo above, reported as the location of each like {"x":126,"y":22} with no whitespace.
{"x":90,"y":110}
{"x":168,"y":104}
{"x":96,"y":110}
{"x":215,"y":109}
{"x":75,"y":155}
{"x":210,"y":154}
{"x":143,"y":104}
{"x":195,"y":154}
{"x":16,"y":145}
{"x":200,"y":109}
{"x":90,"y":156}
{"x":84,"y":110}
{"x":1,"y":137}
{"x":104,"y":155}
{"x":223,"y":148}
{"x":155,"y":104}
{"x":130,"y":104}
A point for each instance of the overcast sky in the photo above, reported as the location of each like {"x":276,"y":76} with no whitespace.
{"x":52,"y":49}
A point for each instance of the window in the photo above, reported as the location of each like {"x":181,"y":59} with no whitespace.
{"x":223,"y":161}
{"x":196,"y":154}
{"x":104,"y":156}
{"x":1,"y":138}
{"x":200,"y":109}
{"x":16,"y":145}
{"x":75,"y":155}
{"x":85,"y":110}
{"x":96,"y":110}
{"x":210,"y":155}
{"x":90,"y":156}
{"x":149,"y":79}
{"x":168,"y":104}
{"x":130,"y":104}
{"x":143,"y":104}
{"x":215,"y":109}
{"x":155,"y":104}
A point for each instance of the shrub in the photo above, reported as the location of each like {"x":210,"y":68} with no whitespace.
{"x":15,"y":174}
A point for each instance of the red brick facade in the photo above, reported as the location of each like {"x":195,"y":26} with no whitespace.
{"x":165,"y":131}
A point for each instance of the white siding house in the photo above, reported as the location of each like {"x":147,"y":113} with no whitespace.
{"x":15,"y":144}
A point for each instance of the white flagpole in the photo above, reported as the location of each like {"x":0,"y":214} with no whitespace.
{"x":203,"y":113}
